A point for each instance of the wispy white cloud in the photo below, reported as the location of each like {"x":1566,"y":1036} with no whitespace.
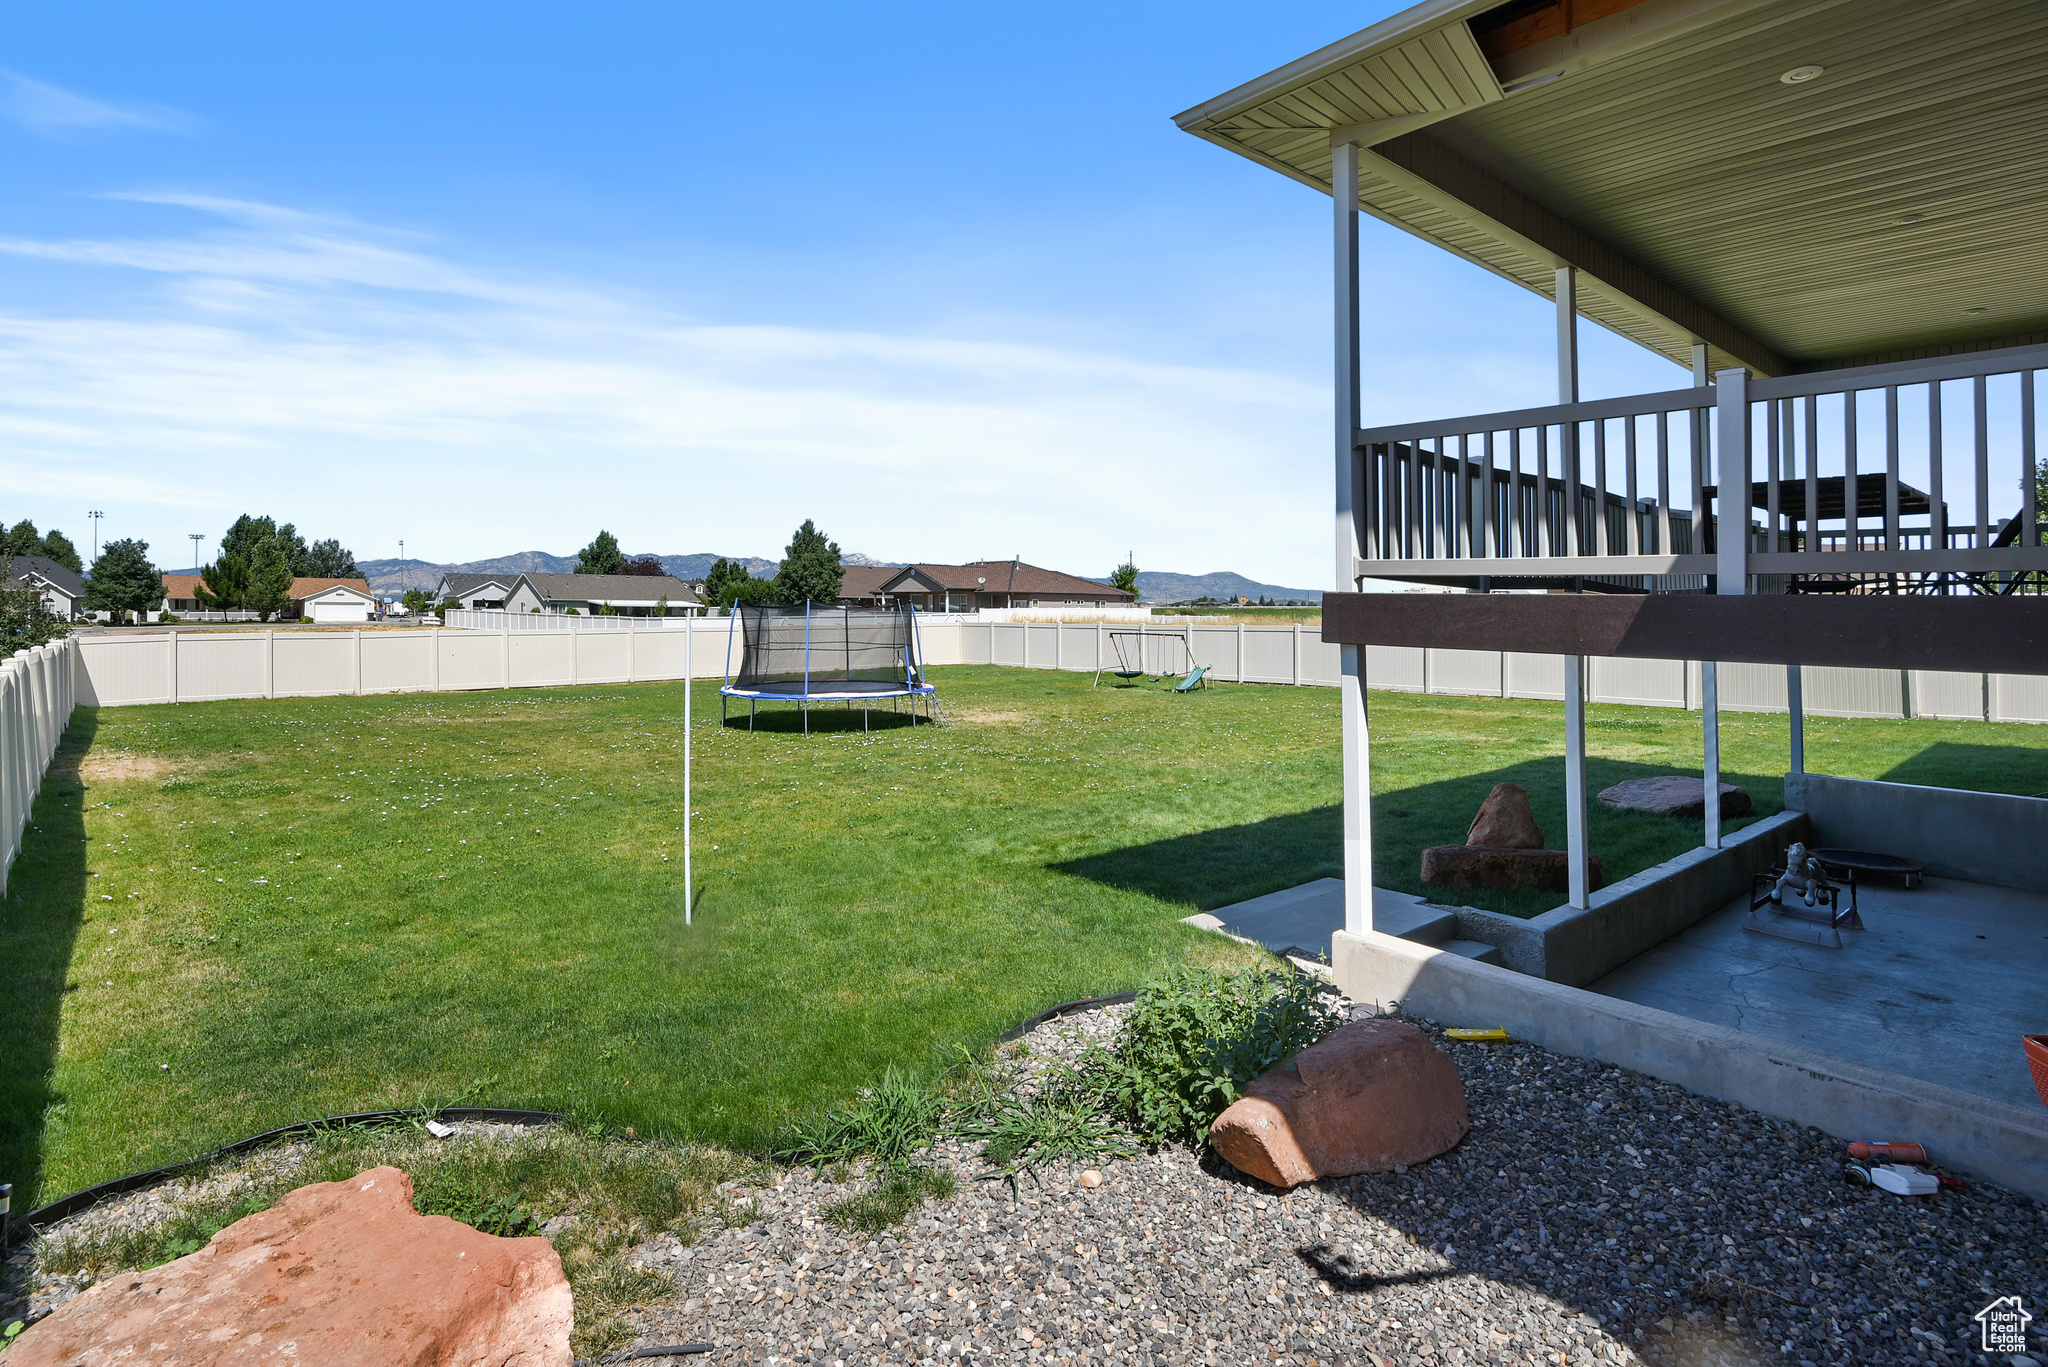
{"x":55,"y":112}
{"x":320,"y":368}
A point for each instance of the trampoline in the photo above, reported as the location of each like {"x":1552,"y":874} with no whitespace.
{"x":827,"y":654}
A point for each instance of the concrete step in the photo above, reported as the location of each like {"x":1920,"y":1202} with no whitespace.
{"x":1476,"y":950}
{"x":1426,"y":925}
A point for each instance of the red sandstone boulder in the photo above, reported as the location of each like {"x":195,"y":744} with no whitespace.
{"x":1675,"y":795}
{"x":1366,"y":1097}
{"x":338,"y":1274}
{"x":1505,"y":821}
{"x":1470,"y":866}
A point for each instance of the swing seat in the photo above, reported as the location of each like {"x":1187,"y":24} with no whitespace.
{"x":1128,"y":673}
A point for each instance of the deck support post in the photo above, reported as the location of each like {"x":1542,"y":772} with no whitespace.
{"x":1577,"y":881}
{"x":1356,"y":739}
{"x":1577,"y":889}
{"x":1795,"y":705}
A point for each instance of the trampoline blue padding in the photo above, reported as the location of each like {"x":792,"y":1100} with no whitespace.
{"x":812,"y":654}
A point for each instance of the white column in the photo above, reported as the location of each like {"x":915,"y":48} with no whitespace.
{"x":1577,"y":881}
{"x":1575,"y":844}
{"x":1356,"y":735}
{"x":1795,"y":704}
{"x":1357,"y":793}
{"x":1710,"y":734}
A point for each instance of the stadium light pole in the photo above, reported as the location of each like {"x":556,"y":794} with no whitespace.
{"x":95,"y":515}
{"x":196,"y":537}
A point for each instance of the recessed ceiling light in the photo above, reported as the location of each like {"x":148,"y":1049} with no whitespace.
{"x":1800,"y":75}
{"x":1980,"y":309}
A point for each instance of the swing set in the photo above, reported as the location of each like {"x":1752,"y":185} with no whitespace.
{"x":1175,"y":661}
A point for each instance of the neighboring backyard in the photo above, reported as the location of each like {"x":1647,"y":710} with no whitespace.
{"x":233,"y":915}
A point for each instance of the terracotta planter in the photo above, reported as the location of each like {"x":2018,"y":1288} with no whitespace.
{"x":2037,"y":1062}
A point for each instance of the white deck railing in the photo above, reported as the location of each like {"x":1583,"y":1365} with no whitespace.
{"x":1917,"y":475}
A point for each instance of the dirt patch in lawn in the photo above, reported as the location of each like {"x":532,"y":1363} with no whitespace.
{"x":115,"y":766}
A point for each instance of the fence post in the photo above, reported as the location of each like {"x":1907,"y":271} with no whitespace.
{"x":1240,"y":652}
{"x":172,"y":667}
{"x":359,"y":661}
{"x":270,"y":664}
{"x":434,"y":668}
{"x":505,"y":656}
{"x":632,"y":638}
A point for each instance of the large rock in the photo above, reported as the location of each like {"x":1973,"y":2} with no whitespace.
{"x":1366,"y":1097}
{"x":1505,"y":821}
{"x":1675,"y":795}
{"x":339,"y":1274}
{"x":1473,"y":866}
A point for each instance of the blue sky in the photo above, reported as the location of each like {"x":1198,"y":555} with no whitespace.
{"x":488,"y":278}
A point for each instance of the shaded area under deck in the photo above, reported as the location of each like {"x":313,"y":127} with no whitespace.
{"x":1940,"y":984}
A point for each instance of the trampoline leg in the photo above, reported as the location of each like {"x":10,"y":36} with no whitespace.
{"x":750,"y":715}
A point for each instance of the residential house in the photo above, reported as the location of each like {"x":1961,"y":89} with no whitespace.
{"x":626,"y":595}
{"x":327,"y":601}
{"x":63,"y":591}
{"x":977,"y":585}
{"x":475,"y":590}
{"x":181,"y":596}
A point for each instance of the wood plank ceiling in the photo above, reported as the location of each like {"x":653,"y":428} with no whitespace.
{"x":1889,"y":206}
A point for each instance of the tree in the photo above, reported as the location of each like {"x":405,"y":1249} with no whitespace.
{"x":224,"y":584}
{"x":270,"y":580}
{"x":722,"y":581}
{"x":293,"y":547}
{"x":810,"y":571}
{"x":1125,"y":577}
{"x":416,"y":601}
{"x":245,"y":536}
{"x":648,"y":565}
{"x":329,"y":559}
{"x":601,"y":556}
{"x":58,"y":547}
{"x":21,"y":539}
{"x":123,"y":580}
{"x":2041,"y":496}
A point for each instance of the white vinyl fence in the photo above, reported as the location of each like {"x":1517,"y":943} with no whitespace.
{"x":118,"y":669}
{"x":498,"y":619}
{"x":37,"y":690}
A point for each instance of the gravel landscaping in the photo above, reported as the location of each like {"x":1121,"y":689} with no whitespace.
{"x":1592,"y":1215}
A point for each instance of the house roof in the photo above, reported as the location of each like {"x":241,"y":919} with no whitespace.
{"x":456,"y":583}
{"x":333,"y":588}
{"x":998,"y":576}
{"x":1883,"y":207}
{"x":60,"y":577}
{"x":183,"y":585}
{"x":610,"y":588}
{"x":865,"y":581}
{"x":306,"y":588}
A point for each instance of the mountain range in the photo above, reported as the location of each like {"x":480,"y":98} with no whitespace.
{"x":1154,"y":586}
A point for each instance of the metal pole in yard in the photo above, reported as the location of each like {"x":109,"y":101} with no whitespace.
{"x":689,"y":679}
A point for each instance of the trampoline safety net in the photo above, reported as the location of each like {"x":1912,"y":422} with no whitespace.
{"x":812,"y":651}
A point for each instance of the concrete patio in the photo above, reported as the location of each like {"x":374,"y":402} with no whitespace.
{"x":1940,"y":984}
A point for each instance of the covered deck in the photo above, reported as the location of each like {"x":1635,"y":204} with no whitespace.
{"x":1824,"y":213}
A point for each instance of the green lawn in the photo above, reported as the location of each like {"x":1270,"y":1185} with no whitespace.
{"x":233,"y":915}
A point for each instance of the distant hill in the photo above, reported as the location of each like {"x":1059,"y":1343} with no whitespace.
{"x":1155,"y":586}
{"x":1164,"y":586}
{"x":396,"y":576}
